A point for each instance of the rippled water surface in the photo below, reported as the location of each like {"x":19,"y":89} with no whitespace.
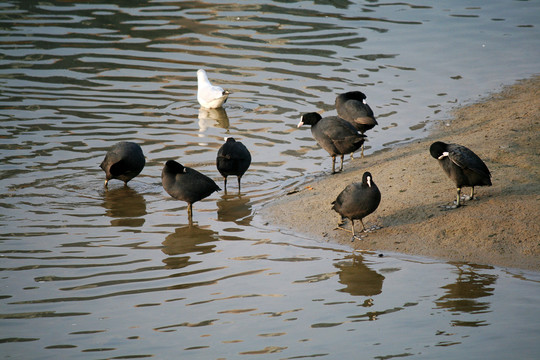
{"x":119,"y":273}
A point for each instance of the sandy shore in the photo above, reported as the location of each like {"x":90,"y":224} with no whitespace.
{"x":501,"y":227}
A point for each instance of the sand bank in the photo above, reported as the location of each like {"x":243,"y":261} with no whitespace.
{"x":501,"y":227}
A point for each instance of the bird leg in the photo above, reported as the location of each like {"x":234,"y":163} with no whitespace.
{"x":471,"y":197}
{"x":362,"y":153}
{"x":190,"y":213}
{"x":333,"y":164}
{"x":341,"y":167}
{"x":467,"y":197}
{"x":350,"y":231}
{"x":239,"y":177}
{"x":225,"y":184}
{"x":455,"y":204}
{"x":363,"y":227}
{"x":340,"y":227}
{"x":458,"y":201}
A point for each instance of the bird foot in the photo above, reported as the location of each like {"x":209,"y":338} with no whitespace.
{"x":354,"y":236}
{"x":452,"y":206}
{"x":338,"y":227}
{"x":468,"y":198}
{"x":357,"y":236}
{"x":372,"y":228}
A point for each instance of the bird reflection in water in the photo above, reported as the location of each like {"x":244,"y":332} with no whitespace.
{"x":189,"y":239}
{"x":212,"y":118}
{"x":358,"y":278}
{"x":469,"y":292}
{"x":125,"y":206}
{"x":234,"y":208}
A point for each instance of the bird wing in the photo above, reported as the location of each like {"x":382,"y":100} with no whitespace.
{"x":211,"y":92}
{"x":344,"y":194}
{"x":337,"y":129}
{"x":467,"y":159}
{"x":356,"y":109}
{"x":119,"y":168}
{"x":341,"y":134}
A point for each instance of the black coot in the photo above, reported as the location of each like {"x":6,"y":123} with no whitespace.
{"x":186,"y":184}
{"x":461,"y":165}
{"x":352,"y":107}
{"x":233,"y":158}
{"x":333,"y":134}
{"x":358,"y":200}
{"x":123,"y":161}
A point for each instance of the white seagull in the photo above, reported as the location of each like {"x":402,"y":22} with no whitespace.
{"x":208,"y":95}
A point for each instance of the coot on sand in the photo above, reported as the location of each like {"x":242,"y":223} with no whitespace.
{"x":357,"y":201}
{"x":352,"y":107}
{"x":461,"y":165}
{"x":333,"y":134}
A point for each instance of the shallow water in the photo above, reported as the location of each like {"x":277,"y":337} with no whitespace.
{"x":90,"y":273}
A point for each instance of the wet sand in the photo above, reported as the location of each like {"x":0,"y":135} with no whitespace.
{"x":500,"y":227}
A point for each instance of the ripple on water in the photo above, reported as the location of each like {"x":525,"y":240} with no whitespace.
{"x":120,"y":273}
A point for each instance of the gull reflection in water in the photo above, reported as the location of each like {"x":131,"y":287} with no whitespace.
{"x":212,"y":118}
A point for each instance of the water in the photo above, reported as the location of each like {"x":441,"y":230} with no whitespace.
{"x":89,"y":273}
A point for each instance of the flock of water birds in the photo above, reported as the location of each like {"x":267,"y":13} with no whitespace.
{"x":338,"y":135}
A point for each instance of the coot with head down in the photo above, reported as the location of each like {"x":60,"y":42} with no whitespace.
{"x":461,"y":165}
{"x":334,"y":135}
{"x":186,"y":184}
{"x":233,"y":158}
{"x":123,"y":161}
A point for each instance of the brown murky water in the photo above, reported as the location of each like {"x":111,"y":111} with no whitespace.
{"x":94,"y":273}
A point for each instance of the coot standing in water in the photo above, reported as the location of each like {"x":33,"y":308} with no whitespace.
{"x":357,"y":201}
{"x":123,"y":161}
{"x":333,"y":134}
{"x":208,"y":95}
{"x":461,"y":165}
{"x":352,"y":107}
{"x":186,"y":184}
{"x":233,"y":158}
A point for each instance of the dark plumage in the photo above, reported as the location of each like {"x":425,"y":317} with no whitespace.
{"x":123,"y":161}
{"x":333,"y":134}
{"x":352,"y":107}
{"x":186,"y":184}
{"x":358,"y":200}
{"x":233,"y":158}
{"x":461,"y":165}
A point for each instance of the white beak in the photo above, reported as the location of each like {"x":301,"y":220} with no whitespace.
{"x":443,"y":155}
